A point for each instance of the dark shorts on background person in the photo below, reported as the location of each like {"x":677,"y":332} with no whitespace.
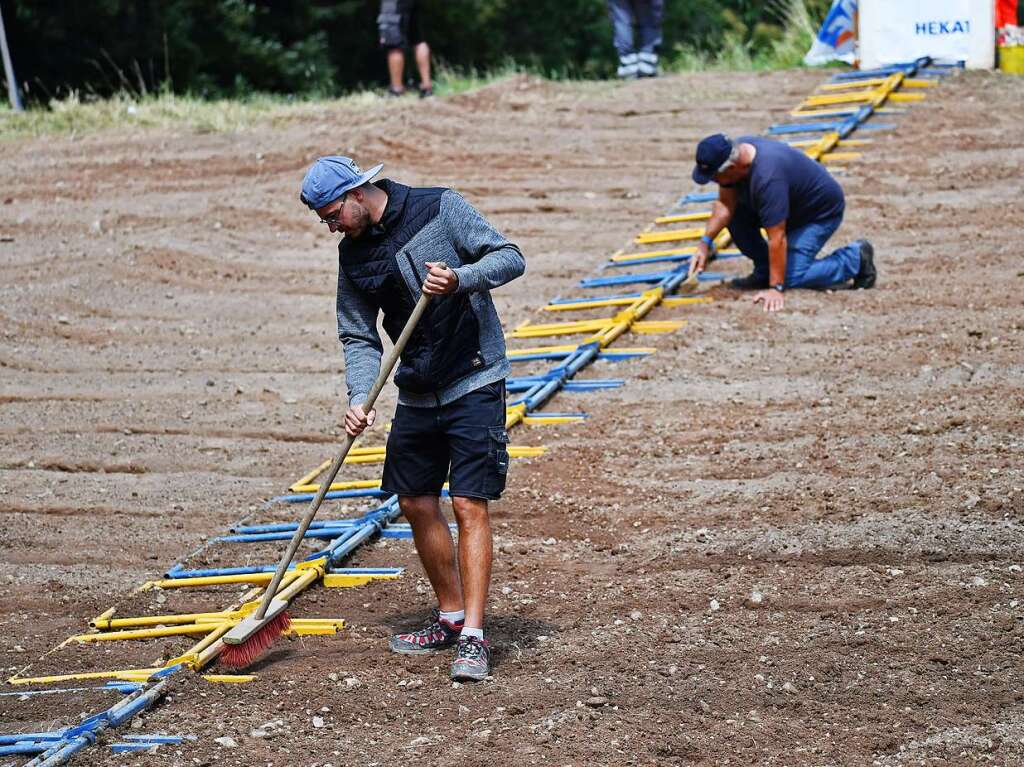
{"x":400,"y":24}
{"x":463,"y":442}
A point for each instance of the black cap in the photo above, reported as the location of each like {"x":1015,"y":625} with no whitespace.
{"x":712,"y":154}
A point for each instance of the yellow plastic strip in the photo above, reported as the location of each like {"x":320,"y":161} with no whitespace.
{"x":661,"y":326}
{"x":351,"y":580}
{"x":843,"y":143}
{"x":229,"y":678}
{"x":899,"y":98}
{"x":840,"y":157}
{"x":549,"y":420}
{"x":674,"y":235}
{"x":683,"y":218}
{"x":686,"y":301}
{"x":653,"y":254}
{"x":123,"y":675}
{"x":307,"y":478}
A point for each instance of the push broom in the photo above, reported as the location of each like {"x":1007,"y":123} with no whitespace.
{"x":246,"y":641}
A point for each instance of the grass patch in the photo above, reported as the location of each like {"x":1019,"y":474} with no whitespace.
{"x":766,"y":46}
{"x":74,"y":115}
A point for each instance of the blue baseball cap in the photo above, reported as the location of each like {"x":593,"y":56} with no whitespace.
{"x":330,"y":177}
{"x":712,"y":154}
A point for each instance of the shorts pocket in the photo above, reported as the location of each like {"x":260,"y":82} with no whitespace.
{"x":497,"y":461}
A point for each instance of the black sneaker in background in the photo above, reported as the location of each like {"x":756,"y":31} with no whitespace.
{"x":426,"y":93}
{"x":750,"y":282}
{"x":472,"y":660}
{"x":868,"y":274}
{"x":436,"y":635}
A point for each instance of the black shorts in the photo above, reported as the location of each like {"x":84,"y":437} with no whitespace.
{"x":464,"y":442}
{"x":403,"y":28}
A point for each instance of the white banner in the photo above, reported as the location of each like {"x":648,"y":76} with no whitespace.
{"x":951,"y":30}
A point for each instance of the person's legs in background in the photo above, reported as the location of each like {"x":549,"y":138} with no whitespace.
{"x":418,"y":39}
{"x":649,"y":15}
{"x":423,"y":64}
{"x":396,"y":69}
{"x":621,"y":14}
{"x":805,"y":270}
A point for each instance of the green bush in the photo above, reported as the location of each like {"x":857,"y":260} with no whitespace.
{"x":230,"y":48}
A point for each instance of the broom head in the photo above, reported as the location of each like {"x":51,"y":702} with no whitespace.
{"x":247,"y":641}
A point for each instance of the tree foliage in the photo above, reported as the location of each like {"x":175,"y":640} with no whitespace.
{"x":235,"y":47}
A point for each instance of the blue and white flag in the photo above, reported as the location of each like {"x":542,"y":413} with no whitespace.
{"x":838,"y":36}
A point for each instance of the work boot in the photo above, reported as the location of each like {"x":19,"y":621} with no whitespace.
{"x":628,"y":67}
{"x":750,"y":282}
{"x":436,"y":635}
{"x":866,"y":276}
{"x":647,"y":64}
{"x":472,"y":660}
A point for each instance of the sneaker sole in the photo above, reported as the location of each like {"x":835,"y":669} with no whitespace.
{"x":466,"y":676}
{"x":416,"y":650}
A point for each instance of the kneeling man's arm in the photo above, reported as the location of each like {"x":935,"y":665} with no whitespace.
{"x":777,"y":245}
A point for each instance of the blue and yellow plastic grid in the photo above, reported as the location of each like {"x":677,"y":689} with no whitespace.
{"x":824,"y":124}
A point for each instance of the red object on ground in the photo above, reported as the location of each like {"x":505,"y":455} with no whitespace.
{"x":245,"y":654}
{"x":1006,"y":13}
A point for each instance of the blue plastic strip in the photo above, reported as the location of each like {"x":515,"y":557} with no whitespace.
{"x":787,"y":128}
{"x":24,"y":747}
{"x":22,"y":737}
{"x":623,"y":279}
{"x":698,"y":197}
{"x":594,"y":385}
{"x":594,"y":299}
{"x":322,"y":533}
{"x":722,"y":256}
{"x":125,"y":748}
{"x":331,"y":495}
{"x":618,"y":356}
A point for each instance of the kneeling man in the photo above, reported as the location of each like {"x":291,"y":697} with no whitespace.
{"x":450,"y":420}
{"x":765,"y":184}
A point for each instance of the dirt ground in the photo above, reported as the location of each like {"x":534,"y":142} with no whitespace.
{"x":788,"y":540}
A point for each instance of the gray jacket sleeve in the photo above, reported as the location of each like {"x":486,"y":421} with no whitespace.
{"x":489,"y":259}
{"x":357,"y":330}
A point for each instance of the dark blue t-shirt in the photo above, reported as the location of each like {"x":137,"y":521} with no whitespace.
{"x":786,"y":185}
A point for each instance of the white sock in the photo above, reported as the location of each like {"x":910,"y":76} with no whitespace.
{"x":468,"y":632}
{"x":456,"y":616}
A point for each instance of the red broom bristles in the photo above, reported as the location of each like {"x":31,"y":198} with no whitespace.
{"x":246,"y":653}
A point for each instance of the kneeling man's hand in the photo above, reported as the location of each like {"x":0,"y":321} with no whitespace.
{"x":356,"y":420}
{"x":773,"y":300}
{"x":440,"y":279}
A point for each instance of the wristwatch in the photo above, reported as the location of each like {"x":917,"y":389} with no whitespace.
{"x":779,"y":287}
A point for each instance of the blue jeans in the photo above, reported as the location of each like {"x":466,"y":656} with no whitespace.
{"x":646,"y":15}
{"x":804,"y":243}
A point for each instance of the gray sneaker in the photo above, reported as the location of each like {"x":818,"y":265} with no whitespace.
{"x":436,"y":635}
{"x":472,"y":660}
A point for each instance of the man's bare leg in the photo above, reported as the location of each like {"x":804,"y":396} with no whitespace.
{"x":436,"y":549}
{"x":423,"y":64}
{"x":475,"y":553}
{"x":396,"y":68}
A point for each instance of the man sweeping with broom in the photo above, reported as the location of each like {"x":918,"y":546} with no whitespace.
{"x":450,"y":421}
